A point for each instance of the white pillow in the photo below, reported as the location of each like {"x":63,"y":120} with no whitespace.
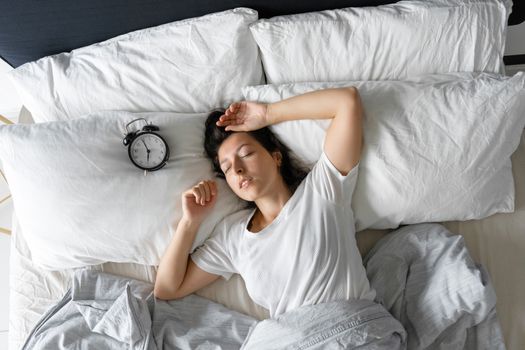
{"x":435,"y":149}
{"x":80,"y":201}
{"x":193,"y":65}
{"x":394,"y":41}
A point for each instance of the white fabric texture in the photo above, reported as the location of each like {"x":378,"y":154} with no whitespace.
{"x":32,"y":290}
{"x":425,"y":277}
{"x":307,"y":255}
{"x":80,"y":201}
{"x":393,"y":41}
{"x":496,"y":242}
{"x":193,"y":65}
{"x":436,"y":148}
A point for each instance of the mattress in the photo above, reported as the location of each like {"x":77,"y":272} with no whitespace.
{"x":497,"y":242}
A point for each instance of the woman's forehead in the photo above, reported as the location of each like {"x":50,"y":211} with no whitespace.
{"x":233,"y":142}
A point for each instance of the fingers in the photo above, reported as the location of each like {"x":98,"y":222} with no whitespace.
{"x":199,"y":193}
{"x":230,"y":115}
{"x":226,"y":120}
{"x":204,"y":191}
{"x":232,"y":128}
{"x":207,"y":192}
{"x":234,"y":108}
{"x":231,"y":124}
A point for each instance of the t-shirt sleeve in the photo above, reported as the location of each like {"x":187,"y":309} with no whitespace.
{"x":330,"y":183}
{"x":213,"y":255}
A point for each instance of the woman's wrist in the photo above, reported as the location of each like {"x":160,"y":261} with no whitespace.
{"x":270,"y":115}
{"x":188,"y":224}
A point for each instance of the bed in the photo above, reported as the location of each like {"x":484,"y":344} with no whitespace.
{"x":496,"y":241}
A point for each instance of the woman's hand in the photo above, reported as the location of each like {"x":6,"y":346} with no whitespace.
{"x":245,"y":116}
{"x":198,"y":201}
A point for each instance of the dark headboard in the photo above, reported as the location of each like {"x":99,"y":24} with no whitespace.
{"x":31,"y":29}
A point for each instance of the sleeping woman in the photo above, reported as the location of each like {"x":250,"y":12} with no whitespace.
{"x":296,"y":244}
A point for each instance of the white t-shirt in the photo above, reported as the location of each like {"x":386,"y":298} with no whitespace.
{"x":307,"y":255}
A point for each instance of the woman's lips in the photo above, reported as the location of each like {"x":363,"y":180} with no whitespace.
{"x":245,"y":183}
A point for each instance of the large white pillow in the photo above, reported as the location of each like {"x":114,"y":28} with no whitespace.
{"x":394,"y":41}
{"x":80,"y":201}
{"x":435,"y":149}
{"x":193,"y":65}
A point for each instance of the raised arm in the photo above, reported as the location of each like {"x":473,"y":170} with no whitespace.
{"x":343,"y":140}
{"x":177,"y":275}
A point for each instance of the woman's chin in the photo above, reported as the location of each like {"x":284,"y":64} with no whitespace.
{"x":249,"y":197}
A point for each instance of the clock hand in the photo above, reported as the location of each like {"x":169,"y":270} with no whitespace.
{"x":147,"y":149}
{"x":145,"y":145}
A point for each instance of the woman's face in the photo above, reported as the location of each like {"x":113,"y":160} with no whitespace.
{"x":250,"y":170}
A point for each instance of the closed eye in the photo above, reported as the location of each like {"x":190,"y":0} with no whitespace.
{"x":246,"y":155}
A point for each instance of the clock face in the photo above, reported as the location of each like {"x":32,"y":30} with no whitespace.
{"x":148,"y":151}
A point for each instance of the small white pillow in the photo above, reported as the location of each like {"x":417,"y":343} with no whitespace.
{"x":435,"y":149}
{"x":394,"y":41}
{"x":193,"y":65}
{"x":80,"y":201}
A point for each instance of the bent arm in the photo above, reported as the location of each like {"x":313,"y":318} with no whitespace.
{"x":343,"y":140}
{"x":177,"y":275}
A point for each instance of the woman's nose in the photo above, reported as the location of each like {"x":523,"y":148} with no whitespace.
{"x":237,"y":166}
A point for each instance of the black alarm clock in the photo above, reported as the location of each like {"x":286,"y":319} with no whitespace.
{"x":147,"y":150}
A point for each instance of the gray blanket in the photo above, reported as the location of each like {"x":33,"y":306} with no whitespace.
{"x":103,"y":311}
{"x":348,"y":324}
{"x":423,"y":276}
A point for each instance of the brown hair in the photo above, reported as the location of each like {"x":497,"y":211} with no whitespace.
{"x":291,"y":169}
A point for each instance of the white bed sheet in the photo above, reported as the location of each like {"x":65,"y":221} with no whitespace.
{"x":497,"y":242}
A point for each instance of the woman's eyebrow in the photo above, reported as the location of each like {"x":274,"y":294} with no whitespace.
{"x":238,"y":148}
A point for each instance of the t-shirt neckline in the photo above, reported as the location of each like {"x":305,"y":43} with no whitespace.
{"x":281,"y":214}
